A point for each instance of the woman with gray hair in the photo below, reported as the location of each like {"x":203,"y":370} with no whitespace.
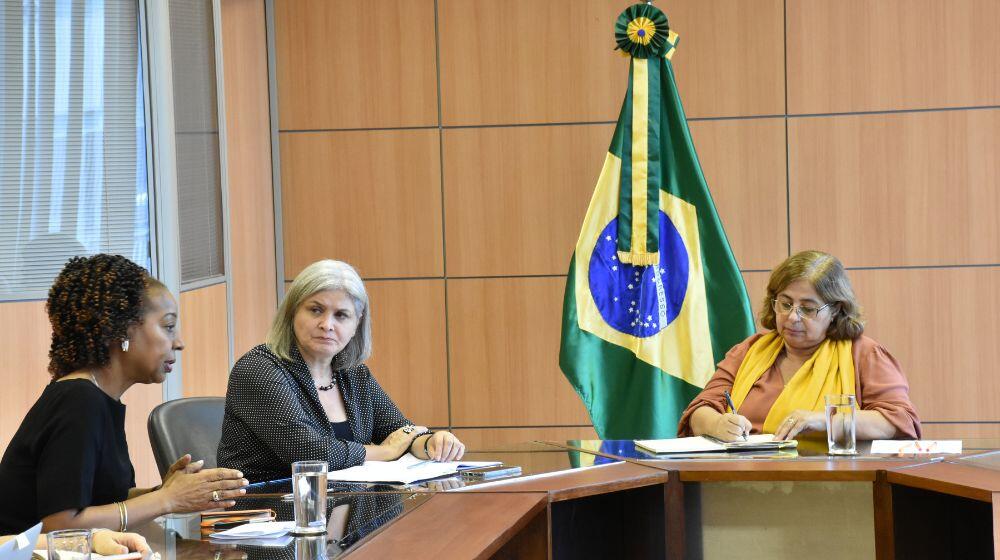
{"x":814,"y":347}
{"x":306,"y":393}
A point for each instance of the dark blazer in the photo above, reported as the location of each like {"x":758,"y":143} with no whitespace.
{"x":274,"y":417}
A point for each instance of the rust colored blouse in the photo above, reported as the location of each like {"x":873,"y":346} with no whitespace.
{"x":879,"y":384}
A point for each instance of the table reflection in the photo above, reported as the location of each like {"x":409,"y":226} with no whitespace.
{"x":808,"y":449}
{"x":987,"y":460}
{"x":534,"y":458}
{"x":350,"y":517}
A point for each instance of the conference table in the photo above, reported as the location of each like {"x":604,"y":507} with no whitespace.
{"x":607,"y":499}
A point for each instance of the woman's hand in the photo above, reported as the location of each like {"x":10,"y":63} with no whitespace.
{"x":730,"y":427}
{"x":443,"y":485}
{"x":184,"y":465}
{"x":444,"y":446}
{"x":800,"y":421}
{"x":190,"y":492}
{"x":398,"y":443}
{"x":108,"y":543}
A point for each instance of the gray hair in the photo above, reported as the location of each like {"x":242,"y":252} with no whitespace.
{"x":322,"y":276}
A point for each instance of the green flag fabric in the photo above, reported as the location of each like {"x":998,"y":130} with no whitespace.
{"x":654,"y":297}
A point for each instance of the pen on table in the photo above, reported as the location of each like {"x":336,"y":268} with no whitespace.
{"x":424,"y":462}
{"x":732,"y":407}
{"x":265,"y":482}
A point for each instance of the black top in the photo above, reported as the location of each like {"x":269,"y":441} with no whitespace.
{"x":69,"y":454}
{"x":342,"y":430}
{"x":274,"y":417}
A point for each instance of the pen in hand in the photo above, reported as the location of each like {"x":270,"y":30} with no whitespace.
{"x":729,"y":401}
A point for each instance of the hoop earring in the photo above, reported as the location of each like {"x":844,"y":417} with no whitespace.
{"x":125,"y":345}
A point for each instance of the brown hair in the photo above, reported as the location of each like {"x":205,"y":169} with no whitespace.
{"x":827,"y":276}
{"x":91,"y":305}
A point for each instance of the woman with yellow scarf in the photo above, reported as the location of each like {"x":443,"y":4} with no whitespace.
{"x":815,"y":347}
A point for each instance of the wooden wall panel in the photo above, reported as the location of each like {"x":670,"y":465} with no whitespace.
{"x":522,"y":61}
{"x":515,"y":197}
{"x":756,"y":283}
{"x":483,"y":438}
{"x":906,"y":189}
{"x":139,"y":401}
{"x":372,"y":199}
{"x":504,"y":343}
{"x":355,"y":63}
{"x":205,"y":332}
{"x":744,"y":164}
{"x":941,"y":326}
{"x":858,"y":55}
{"x":409,"y":356}
{"x":24,"y":362}
{"x":730,"y":59}
{"x":975,"y":435}
{"x":248,"y":160}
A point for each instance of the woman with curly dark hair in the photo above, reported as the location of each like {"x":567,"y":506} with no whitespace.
{"x":112,"y":326}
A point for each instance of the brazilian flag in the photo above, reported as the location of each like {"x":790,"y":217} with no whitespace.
{"x":653,"y":297}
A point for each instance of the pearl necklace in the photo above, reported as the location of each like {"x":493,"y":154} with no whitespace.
{"x":333,"y":383}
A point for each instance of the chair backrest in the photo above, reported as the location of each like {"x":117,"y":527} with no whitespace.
{"x":192,"y":425}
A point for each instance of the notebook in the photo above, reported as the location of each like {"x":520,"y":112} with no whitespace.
{"x":405,"y":470}
{"x":705,"y":444}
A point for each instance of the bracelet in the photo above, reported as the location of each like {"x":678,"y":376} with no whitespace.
{"x":122,"y":516}
{"x":410,"y":445}
{"x":427,"y":452}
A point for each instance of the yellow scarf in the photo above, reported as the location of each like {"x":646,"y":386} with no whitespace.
{"x":829,"y":371}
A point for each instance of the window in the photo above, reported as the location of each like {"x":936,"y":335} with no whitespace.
{"x":72,"y":139}
{"x":196,"y":125}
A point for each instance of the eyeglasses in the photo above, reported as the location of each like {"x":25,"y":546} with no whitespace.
{"x":804,"y":311}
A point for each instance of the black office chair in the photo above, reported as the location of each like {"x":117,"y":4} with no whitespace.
{"x":192,"y":425}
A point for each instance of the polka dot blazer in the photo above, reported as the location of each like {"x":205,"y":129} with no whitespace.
{"x":274,"y":417}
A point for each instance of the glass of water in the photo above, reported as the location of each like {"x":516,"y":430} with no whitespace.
{"x":841,"y":424}
{"x":69,"y":544}
{"x":309,"y":489}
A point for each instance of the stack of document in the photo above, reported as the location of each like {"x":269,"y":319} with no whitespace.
{"x":264,"y":530}
{"x":704,"y":444}
{"x":405,"y":470}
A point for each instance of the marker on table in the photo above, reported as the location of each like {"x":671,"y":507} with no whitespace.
{"x":729,"y":400}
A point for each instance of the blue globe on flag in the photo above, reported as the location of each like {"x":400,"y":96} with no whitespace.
{"x":639,"y":300}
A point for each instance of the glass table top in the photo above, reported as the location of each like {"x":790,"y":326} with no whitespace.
{"x":532,"y":457}
{"x":808,"y":449}
{"x":350,"y":517}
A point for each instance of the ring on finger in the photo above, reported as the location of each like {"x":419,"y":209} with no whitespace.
{"x":216,"y":496}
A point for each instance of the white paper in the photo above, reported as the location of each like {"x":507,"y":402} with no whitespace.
{"x":916,"y":447}
{"x":19,"y":548}
{"x":405,"y":470}
{"x":265,"y":530}
{"x":698,"y":444}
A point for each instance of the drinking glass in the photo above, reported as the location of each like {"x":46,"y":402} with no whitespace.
{"x":70,"y":544}
{"x":841,"y":424}
{"x":309,"y":488}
